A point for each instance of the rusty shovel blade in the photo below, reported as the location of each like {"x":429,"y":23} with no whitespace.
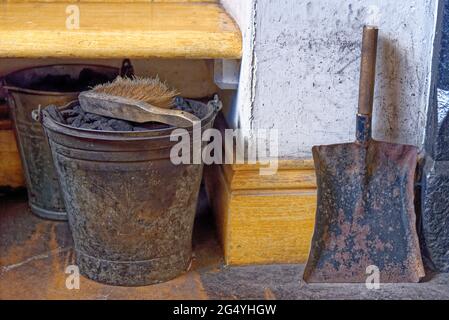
{"x":365,"y":215}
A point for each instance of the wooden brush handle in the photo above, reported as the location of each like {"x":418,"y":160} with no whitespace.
{"x":176,"y":118}
{"x":133,"y":110}
{"x":368,"y":70}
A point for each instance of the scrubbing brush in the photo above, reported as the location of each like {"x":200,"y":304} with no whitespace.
{"x":137,"y":100}
{"x":149,"y":90}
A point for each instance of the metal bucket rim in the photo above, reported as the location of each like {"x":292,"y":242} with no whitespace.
{"x":50,"y":93}
{"x":50,"y":124}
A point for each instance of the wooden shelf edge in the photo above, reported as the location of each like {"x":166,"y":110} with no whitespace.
{"x":191,"y":30}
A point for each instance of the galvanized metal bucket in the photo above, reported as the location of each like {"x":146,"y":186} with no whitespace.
{"x":44,"y":194}
{"x":130,"y":209}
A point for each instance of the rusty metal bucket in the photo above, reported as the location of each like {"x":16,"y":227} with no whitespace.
{"x":130,"y":209}
{"x":26,"y":91}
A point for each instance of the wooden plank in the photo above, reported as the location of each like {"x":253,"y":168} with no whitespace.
{"x":271,"y":225}
{"x":10,"y":166}
{"x":109,"y":1}
{"x":282,"y":179}
{"x":108,"y":30}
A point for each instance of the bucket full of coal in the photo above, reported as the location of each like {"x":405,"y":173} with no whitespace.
{"x":44,"y":85}
{"x":130,"y":209}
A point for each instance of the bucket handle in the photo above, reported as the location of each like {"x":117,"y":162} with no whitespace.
{"x":127,"y":69}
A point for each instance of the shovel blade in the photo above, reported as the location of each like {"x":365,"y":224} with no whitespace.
{"x":365,"y":219}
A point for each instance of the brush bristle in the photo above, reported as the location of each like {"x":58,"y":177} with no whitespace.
{"x":149,"y":90}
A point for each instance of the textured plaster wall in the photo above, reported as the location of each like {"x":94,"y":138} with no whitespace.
{"x":302,"y":75}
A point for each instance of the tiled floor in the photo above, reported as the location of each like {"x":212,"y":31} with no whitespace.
{"x":34,"y":254}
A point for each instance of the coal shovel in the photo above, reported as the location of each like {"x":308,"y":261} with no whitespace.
{"x":365,"y":218}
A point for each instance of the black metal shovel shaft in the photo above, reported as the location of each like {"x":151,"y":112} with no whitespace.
{"x":365,"y":219}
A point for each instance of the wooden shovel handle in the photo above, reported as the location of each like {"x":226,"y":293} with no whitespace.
{"x":368,"y":70}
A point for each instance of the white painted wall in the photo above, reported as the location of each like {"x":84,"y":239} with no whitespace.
{"x":302,"y":73}
{"x":243,"y":13}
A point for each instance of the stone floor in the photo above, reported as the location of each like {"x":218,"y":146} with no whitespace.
{"x":34,"y":254}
